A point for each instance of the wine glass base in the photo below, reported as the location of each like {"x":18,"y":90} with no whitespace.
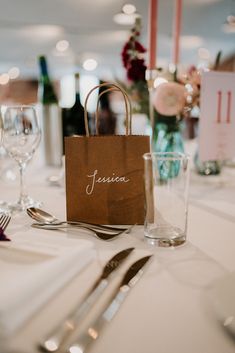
{"x":22,"y":204}
{"x":4,"y":207}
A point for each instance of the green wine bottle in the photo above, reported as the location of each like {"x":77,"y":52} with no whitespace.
{"x":46,"y":90}
{"x":51,"y":117}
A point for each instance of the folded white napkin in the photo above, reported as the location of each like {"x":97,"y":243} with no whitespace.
{"x":32,"y":270}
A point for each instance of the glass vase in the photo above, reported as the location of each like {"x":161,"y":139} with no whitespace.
{"x":168,"y":138}
{"x":167,"y":135}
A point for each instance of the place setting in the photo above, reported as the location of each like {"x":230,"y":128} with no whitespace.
{"x":38,"y":261}
{"x":113,"y":205}
{"x":30,"y":257}
{"x":117,"y":179}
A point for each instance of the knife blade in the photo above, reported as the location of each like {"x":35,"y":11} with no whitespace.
{"x":130,"y":278}
{"x":55,"y":339}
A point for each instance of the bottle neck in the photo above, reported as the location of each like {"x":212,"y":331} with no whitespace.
{"x":46,"y":90}
{"x":43,"y":67}
{"x":77,"y":86}
{"x":77,"y":91}
{"x":77,"y":97}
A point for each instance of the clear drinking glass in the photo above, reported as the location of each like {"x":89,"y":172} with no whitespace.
{"x":21,"y":138}
{"x":166,"y":197}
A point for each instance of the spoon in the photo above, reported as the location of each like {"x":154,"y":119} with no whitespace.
{"x":44,"y":217}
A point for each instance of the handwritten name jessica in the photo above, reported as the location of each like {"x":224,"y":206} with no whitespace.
{"x":94,"y":178}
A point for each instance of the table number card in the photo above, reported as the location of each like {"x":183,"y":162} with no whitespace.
{"x":217,"y":117}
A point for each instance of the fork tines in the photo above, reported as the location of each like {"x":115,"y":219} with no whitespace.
{"x":4,"y":221}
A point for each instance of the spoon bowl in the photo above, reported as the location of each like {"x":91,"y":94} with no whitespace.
{"x":42,"y":216}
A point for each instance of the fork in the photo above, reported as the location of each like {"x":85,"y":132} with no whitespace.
{"x":4,"y":221}
{"x":98,"y":234}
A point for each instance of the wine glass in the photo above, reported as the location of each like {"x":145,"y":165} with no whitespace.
{"x":21,"y":138}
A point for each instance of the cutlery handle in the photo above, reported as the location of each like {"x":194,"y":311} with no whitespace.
{"x":93,"y":331}
{"x":65,"y":224}
{"x":60,"y":335}
{"x":97,"y":226}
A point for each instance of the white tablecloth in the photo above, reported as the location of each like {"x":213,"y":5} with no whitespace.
{"x":168,"y":311}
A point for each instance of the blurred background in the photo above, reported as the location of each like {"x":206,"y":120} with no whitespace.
{"x":87,"y":36}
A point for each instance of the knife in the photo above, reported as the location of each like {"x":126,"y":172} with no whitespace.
{"x":132,"y":275}
{"x":53,"y":342}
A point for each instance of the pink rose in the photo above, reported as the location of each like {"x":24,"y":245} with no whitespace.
{"x":169,"y":98}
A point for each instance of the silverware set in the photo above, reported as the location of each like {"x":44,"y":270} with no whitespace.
{"x":50,"y":222}
{"x":60,"y":340}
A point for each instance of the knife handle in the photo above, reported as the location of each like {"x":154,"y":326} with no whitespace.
{"x":93,"y":331}
{"x":54,"y":341}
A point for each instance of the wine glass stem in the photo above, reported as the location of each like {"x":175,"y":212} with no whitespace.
{"x":23,"y":192}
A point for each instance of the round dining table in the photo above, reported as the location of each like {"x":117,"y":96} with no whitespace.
{"x":173,"y":308}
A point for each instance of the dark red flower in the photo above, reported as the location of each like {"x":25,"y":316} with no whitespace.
{"x":132,"y":56}
{"x":139,"y":47}
{"x":136,"y":70}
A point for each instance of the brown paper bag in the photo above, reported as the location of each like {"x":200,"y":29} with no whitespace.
{"x":104,"y":174}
